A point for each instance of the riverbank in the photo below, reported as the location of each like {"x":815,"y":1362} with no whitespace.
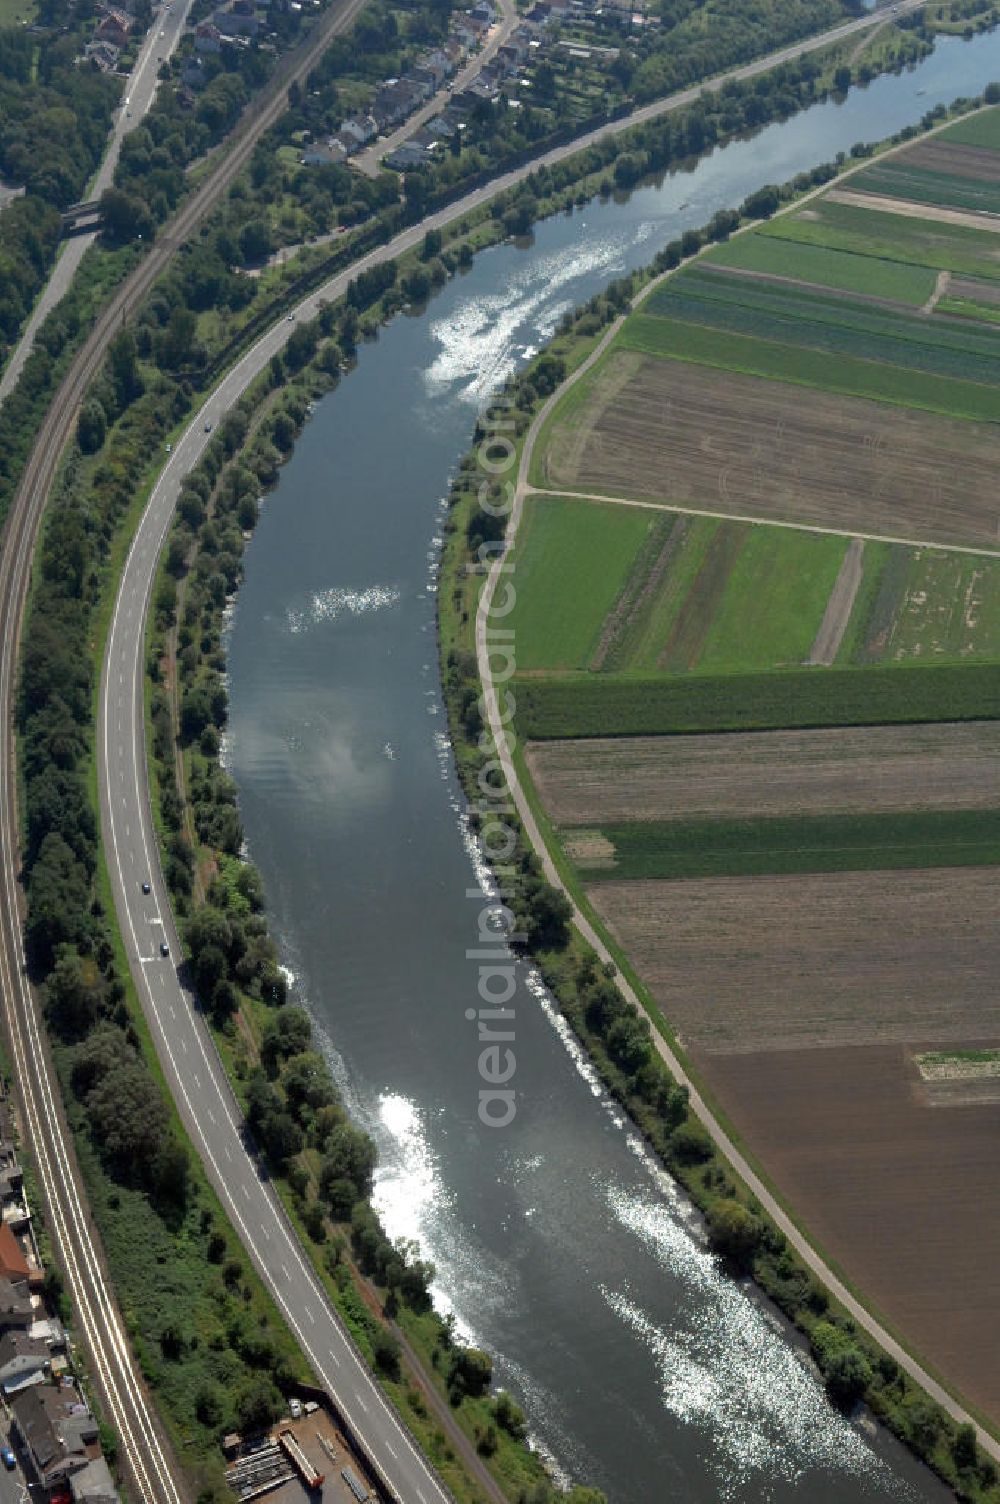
{"x":624,"y":1056}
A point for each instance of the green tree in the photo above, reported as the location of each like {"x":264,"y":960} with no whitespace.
{"x":734,"y":1230}
{"x":847,"y":1374}
{"x":91,"y":427}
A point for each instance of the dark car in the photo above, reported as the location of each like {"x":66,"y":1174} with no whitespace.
{"x":146,"y":888}
{"x":164,"y":948}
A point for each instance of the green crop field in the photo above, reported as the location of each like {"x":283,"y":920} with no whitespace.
{"x":637,"y":705}
{"x":969,"y":308}
{"x":962,"y":353}
{"x":824,"y":267}
{"x":801,"y":843}
{"x":896,"y":179}
{"x":891,"y":237}
{"x":571,"y":561}
{"x":616,"y":589}
{"x":850,"y":375}
{"x":982,"y":129}
{"x":808,"y":314}
{"x":656,"y":594}
{"x":774,"y":600}
{"x":923,"y":604}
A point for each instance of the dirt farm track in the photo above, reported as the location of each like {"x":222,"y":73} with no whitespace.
{"x":650,"y":429}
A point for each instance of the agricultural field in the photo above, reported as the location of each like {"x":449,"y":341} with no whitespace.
{"x":809,"y":457}
{"x":769,"y":745}
{"x":891,"y":1184}
{"x":555,"y":706}
{"x":739,"y":847}
{"x":614,"y":589}
{"x":572,"y":563}
{"x":773,"y":963}
{"x":613,"y":780}
{"x":818,"y":266}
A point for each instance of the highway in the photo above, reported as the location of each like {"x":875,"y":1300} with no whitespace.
{"x":97,"y":1321}
{"x":137,"y":97}
{"x":192,"y":1067}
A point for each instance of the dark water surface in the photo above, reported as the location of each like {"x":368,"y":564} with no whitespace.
{"x":558,"y":1244}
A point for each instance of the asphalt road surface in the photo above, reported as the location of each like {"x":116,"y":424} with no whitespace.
{"x":138,"y":95}
{"x":190,"y":1061}
{"x":145,"y":1455}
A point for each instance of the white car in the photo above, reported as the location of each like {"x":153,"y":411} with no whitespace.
{"x":295,"y":1409}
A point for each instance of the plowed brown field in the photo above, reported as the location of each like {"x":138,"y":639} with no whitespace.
{"x":772,"y":963}
{"x":900,"y":1193}
{"x":950,"y":157}
{"x":743,"y":446}
{"x":864,"y":769}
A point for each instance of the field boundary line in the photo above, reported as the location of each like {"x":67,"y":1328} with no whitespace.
{"x":799,"y":527}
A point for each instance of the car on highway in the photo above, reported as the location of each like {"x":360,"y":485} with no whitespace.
{"x":146,"y":888}
{"x":9,"y":1460}
{"x":208,"y":428}
{"x":164,"y":948}
{"x":291,"y":318}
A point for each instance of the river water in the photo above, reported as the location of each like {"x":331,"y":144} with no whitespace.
{"x":558,"y":1245}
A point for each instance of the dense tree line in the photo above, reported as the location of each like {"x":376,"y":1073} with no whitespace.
{"x":54,"y":122}
{"x":66,"y":932}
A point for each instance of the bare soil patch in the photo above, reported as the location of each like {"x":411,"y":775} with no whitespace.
{"x":912,"y":210}
{"x":898,"y":1194}
{"x":590,"y":848}
{"x":744,"y":446}
{"x":976,"y":162}
{"x":782,"y":963}
{"x":839,"y":607}
{"x":609,"y":780}
{"x":976,"y":292}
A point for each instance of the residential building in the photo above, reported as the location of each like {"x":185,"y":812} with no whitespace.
{"x":57,"y":1431}
{"x":16,"y":1306}
{"x":103,"y":55}
{"x":17,"y":1257}
{"x":24,"y":1360}
{"x":231,"y":24}
{"x":115,"y":26}
{"x":93,"y":1484}
{"x":207,"y":38}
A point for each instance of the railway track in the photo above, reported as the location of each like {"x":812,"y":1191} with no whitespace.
{"x":145,"y":1454}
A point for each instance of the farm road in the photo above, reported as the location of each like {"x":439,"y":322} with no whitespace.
{"x":839,"y":606}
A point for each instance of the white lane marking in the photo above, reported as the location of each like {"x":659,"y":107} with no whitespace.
{"x":197,"y":1083}
{"x":284,"y":1270}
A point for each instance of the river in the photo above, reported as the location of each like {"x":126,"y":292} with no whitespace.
{"x":558,"y":1244}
